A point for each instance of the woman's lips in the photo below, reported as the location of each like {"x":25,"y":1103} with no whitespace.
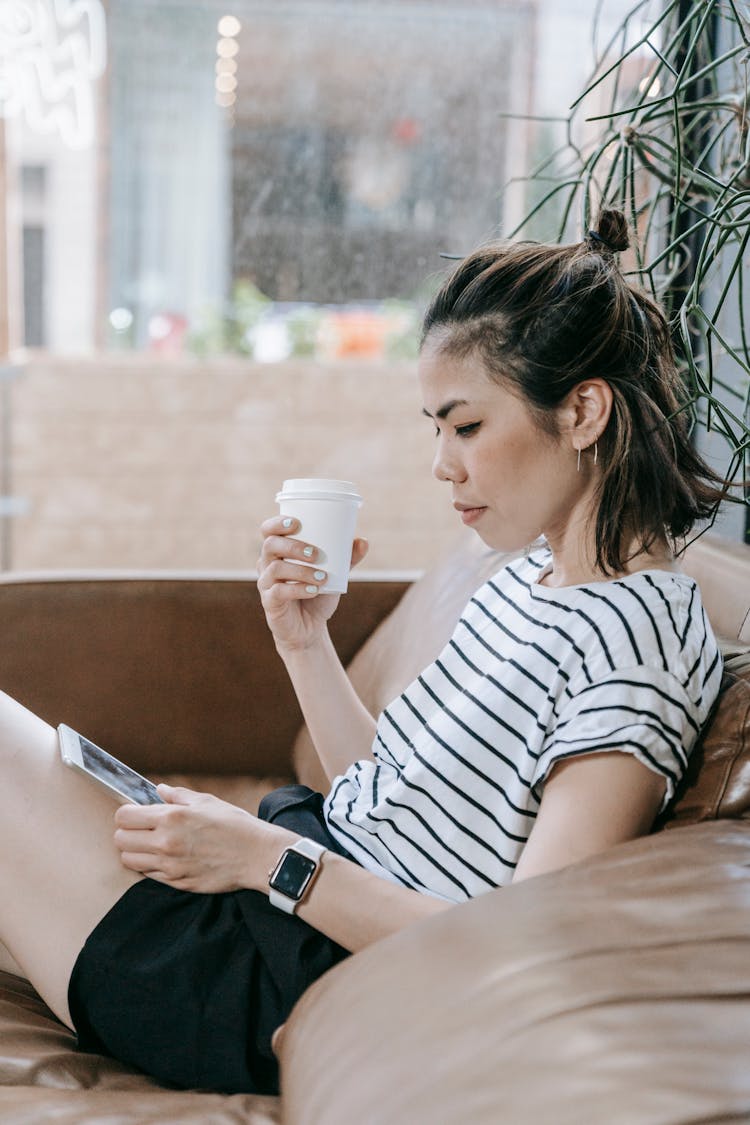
{"x":470,"y":515}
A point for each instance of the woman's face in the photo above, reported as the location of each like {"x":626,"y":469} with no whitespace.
{"x":511,"y":481}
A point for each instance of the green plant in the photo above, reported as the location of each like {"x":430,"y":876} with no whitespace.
{"x":229,"y":329}
{"x":303,"y":326}
{"x":662,"y":131}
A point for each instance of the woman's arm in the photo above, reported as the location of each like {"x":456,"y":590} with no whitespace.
{"x":353,"y":907}
{"x":340,"y":726}
{"x":590,"y":803}
{"x":196,"y":842}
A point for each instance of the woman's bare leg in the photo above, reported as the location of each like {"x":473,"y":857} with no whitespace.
{"x":59,"y":869}
{"x":8,"y":964}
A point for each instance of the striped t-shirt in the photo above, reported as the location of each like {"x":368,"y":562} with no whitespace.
{"x":532,"y":675}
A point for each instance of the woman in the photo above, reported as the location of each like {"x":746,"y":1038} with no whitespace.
{"x":555,"y":724}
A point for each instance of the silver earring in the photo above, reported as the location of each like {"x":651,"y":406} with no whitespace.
{"x":578,"y":466}
{"x":596,"y":450}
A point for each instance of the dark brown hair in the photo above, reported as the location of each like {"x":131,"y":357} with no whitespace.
{"x":544,"y":318}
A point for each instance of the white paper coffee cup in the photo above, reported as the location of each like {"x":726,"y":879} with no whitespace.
{"x":327,"y":512}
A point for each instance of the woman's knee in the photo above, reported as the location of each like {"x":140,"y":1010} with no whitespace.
{"x":8,"y":964}
{"x":21,"y":731}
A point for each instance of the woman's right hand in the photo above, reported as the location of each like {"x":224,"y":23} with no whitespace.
{"x":289,"y":590}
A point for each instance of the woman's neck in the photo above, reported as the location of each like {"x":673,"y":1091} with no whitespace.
{"x":575,"y":565}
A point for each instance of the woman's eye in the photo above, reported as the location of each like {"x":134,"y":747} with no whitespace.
{"x":462,"y":431}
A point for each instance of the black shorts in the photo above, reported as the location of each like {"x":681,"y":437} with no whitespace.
{"x":190,"y":988}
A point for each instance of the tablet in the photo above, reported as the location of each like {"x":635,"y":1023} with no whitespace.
{"x":118,"y":779}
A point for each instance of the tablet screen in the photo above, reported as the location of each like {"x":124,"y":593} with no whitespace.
{"x":126,"y":781}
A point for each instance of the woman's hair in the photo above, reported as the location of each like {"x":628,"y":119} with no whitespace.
{"x":544,"y":318}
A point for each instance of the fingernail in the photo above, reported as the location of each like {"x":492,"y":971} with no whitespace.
{"x":319,"y":575}
{"x":311,"y":589}
{"x":287,"y":522}
{"x":308,"y":552}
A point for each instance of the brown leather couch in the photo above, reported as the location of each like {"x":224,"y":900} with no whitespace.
{"x":616,"y":991}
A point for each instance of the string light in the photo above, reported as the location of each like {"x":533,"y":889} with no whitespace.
{"x":226,"y":66}
{"x":650,"y":87}
{"x":227,"y":49}
{"x":229,"y":27}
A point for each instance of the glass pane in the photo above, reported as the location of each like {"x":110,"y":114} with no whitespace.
{"x":221,"y":224}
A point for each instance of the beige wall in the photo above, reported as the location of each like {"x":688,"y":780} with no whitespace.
{"x":131,"y":461}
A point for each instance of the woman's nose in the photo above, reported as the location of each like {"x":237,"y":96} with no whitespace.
{"x":445,"y":467}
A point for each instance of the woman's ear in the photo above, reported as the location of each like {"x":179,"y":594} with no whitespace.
{"x":588,"y":407}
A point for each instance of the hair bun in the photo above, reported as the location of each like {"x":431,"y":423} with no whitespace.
{"x":611,"y":230}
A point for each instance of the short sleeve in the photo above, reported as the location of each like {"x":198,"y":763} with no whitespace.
{"x":642,"y":711}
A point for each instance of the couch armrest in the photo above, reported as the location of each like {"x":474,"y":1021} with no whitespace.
{"x":615,"y":990}
{"x":173,"y":673}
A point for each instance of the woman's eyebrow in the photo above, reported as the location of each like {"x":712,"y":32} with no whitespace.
{"x":445,"y":410}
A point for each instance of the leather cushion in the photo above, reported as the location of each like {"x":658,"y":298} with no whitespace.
{"x":43,"y":1078}
{"x":617,"y":991}
{"x":717,"y":782}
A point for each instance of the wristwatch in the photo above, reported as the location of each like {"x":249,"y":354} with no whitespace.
{"x":293,"y":875}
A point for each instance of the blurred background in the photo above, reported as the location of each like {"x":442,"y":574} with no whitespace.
{"x":219,"y":225}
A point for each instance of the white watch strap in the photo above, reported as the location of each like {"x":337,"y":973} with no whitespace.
{"x":305,"y":847}
{"x":308,"y":847}
{"x":282,"y":902}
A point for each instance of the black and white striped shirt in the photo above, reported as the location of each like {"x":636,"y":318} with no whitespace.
{"x":532,"y":675}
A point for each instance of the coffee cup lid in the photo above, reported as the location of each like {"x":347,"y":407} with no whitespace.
{"x":318,"y":488}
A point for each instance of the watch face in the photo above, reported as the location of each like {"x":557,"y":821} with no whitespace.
{"x":293,"y":874}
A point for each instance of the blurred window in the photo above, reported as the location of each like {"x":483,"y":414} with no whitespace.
{"x":222,"y":167}
{"x":220,"y":221}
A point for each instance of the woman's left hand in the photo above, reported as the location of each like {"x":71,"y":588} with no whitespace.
{"x":197,"y":842}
